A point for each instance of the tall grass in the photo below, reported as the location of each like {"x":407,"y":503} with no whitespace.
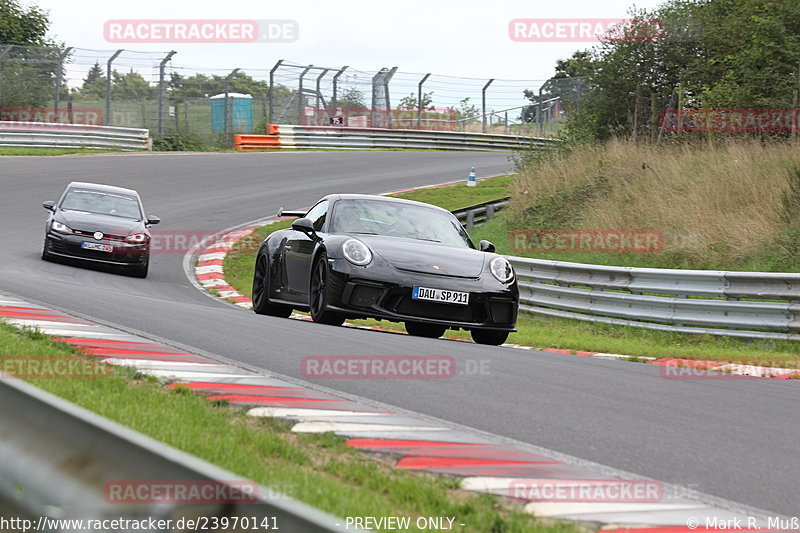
{"x":732,"y":205}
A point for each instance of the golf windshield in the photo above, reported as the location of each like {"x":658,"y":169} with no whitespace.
{"x":102,"y":203}
{"x":396,"y":219}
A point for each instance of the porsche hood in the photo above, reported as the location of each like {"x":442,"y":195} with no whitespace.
{"x":426,"y":257}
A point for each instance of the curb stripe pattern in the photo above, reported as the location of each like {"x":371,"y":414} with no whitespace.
{"x":416,"y":444}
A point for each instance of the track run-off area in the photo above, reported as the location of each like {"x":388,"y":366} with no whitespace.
{"x":733,"y":439}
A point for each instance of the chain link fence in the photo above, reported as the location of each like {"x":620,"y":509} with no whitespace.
{"x":151,"y":90}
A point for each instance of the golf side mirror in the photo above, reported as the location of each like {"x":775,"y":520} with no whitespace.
{"x":152,"y":219}
{"x":50,"y":205}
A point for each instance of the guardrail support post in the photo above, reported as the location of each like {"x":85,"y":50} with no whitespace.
{"x":334,"y":101}
{"x":470,"y":220}
{"x":300,"y":96}
{"x":483,"y":102}
{"x":271,"y":85}
{"x":419,"y":100}
{"x":161,"y":92}
{"x":6,"y":49}
{"x":59,"y":76}
{"x":107,"y":118}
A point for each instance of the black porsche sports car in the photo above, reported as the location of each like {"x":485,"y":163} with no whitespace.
{"x":100,"y":224}
{"x":361,"y":256}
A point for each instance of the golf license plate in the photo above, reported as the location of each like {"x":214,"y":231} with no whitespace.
{"x":439,"y":295}
{"x":100,"y":247}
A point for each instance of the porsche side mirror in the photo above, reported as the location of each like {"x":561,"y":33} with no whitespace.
{"x":152,"y":219}
{"x":486,"y":246}
{"x":49,"y":205}
{"x":305,"y":225}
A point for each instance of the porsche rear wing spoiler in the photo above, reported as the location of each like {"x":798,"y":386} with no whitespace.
{"x":288,"y":213}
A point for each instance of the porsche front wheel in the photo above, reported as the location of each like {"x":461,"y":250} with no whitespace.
{"x":318,"y":294}
{"x":261,"y":303}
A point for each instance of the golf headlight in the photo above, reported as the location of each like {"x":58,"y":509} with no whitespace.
{"x":137,"y":238}
{"x":356,"y":252}
{"x":61,"y":228}
{"x":501,"y":269}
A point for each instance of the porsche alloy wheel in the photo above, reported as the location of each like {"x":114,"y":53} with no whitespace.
{"x":261,"y":303}
{"x":318,"y":294}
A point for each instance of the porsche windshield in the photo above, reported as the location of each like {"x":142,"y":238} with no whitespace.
{"x":397,"y":219}
{"x":102,"y":203}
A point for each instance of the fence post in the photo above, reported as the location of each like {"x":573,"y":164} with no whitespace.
{"x":59,"y":76}
{"x":483,"y":102}
{"x":6,"y":49}
{"x":334,"y":101}
{"x":226,"y":127}
{"x":386,"y":79}
{"x":300,"y":97}
{"x":107,"y":118}
{"x":271,"y":83}
{"x":419,"y":100}
{"x":162,"y":95}
{"x":319,"y":80}
{"x":375,"y":84}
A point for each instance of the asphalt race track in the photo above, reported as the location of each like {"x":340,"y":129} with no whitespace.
{"x":734,"y":439}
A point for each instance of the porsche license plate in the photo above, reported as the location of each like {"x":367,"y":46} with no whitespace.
{"x":86,"y":245}
{"x":440,"y":295}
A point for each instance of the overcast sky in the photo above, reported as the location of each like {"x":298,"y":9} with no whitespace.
{"x":459,"y":37}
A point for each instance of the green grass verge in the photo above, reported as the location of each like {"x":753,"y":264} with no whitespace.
{"x":51,"y":151}
{"x":317,"y":469}
{"x":457,"y":196}
{"x":545,"y":332}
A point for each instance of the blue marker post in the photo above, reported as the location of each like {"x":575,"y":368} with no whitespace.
{"x":471,"y":180}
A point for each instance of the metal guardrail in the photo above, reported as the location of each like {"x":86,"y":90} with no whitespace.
{"x":56,"y":459}
{"x":739,"y":304}
{"x":762,"y":305}
{"x":47,"y":135}
{"x":480,"y":214}
{"x":344,"y":138}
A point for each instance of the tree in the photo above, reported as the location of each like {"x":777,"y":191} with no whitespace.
{"x":28,"y":70}
{"x":130,"y":86}
{"x":94,"y":84}
{"x":582,"y":63}
{"x":21,"y":26}
{"x":410,"y":102}
{"x":351,"y":98}
{"x":716,"y":53}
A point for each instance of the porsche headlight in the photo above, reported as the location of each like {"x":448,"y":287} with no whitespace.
{"x":59,"y":227}
{"x":356,"y":252}
{"x":501,"y":269}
